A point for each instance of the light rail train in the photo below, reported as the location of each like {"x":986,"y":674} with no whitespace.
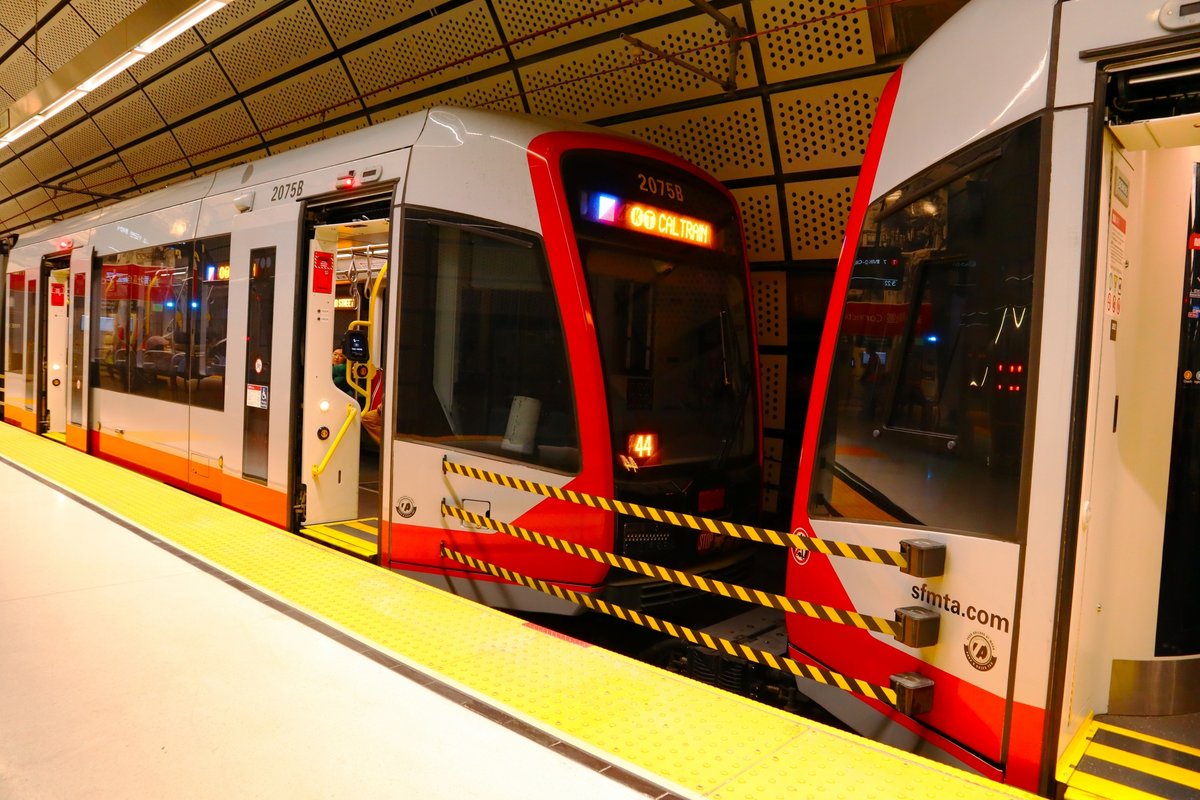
{"x":547,"y":301}
{"x":1010,"y":366}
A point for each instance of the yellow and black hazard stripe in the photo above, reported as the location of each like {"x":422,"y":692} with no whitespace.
{"x":830,"y":548}
{"x":710,"y":585}
{"x":720,"y":645}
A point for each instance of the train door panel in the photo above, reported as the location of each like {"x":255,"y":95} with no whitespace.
{"x":20,"y":331}
{"x":53,"y":335}
{"x":481,"y":380}
{"x":258,"y":389}
{"x":77,"y":336}
{"x":345,"y":298}
{"x":331,"y":432}
{"x":1142,"y":306}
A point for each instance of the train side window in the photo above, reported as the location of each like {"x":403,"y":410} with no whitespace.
{"x":925,"y":414}
{"x":145,"y":321}
{"x":210,"y":322}
{"x":483,"y":362}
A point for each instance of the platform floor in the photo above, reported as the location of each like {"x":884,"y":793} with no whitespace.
{"x":156,"y":645}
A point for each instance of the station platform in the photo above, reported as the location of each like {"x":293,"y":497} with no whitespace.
{"x":156,"y":644}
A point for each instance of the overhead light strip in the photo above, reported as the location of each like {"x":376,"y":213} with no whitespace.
{"x":44,"y":108}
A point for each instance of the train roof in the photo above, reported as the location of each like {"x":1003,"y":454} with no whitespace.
{"x":432,"y":126}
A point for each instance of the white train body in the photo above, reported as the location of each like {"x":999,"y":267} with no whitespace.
{"x":1000,"y":372}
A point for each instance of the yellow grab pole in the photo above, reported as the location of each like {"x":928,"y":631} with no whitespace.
{"x":351,"y":412}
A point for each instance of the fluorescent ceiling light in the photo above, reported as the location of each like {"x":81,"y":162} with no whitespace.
{"x":44,"y":102}
{"x":22,"y":129}
{"x":61,"y":103}
{"x":179,"y":25}
{"x":103,"y":76}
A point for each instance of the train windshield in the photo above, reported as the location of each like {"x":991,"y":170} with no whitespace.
{"x":924,"y":419}
{"x":666,"y":280}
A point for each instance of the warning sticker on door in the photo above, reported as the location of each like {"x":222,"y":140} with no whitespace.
{"x":322,"y":273}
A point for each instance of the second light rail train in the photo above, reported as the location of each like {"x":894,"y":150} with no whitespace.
{"x":545,"y":301}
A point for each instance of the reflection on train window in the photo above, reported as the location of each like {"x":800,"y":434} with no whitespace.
{"x":483,"y":362}
{"x":672,"y":325}
{"x":925,"y":416}
{"x":160,"y":315}
{"x":16,"y":322}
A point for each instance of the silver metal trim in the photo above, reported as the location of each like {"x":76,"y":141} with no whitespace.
{"x":1157,"y":687}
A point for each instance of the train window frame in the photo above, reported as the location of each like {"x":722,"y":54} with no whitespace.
{"x":919,"y":342}
{"x":541,"y":427}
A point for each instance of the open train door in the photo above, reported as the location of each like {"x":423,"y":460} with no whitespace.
{"x":344,"y":303}
{"x":52,"y":336}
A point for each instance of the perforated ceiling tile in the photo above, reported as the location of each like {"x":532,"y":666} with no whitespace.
{"x":302,"y":101}
{"x":817,"y":214}
{"x":83,"y":143}
{"x":318,"y":136}
{"x":150,"y":160}
{"x":727,"y":140}
{"x":37,"y":203}
{"x":169,"y":55}
{"x":17,"y":73}
{"x":826,"y":126}
{"x":62,"y":38}
{"x":617,"y":77}
{"x":770,"y":307}
{"x":17,"y":18}
{"x":103,"y":14}
{"x":231,"y":16}
{"x":441,"y":48}
{"x":283,"y":41}
{"x":774,"y":390}
{"x":128,"y":119}
{"x":217,"y":134}
{"x":46,"y":162}
{"x":11,"y":215}
{"x":194,"y":86}
{"x":108,"y":179}
{"x":16,"y":177}
{"x":544,"y":24}
{"x":812,"y":37}
{"x":498,"y":93}
{"x":760,"y":219}
{"x":350,"y":22}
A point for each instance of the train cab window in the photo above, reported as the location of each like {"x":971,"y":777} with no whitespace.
{"x":483,"y":363}
{"x":925,"y":414}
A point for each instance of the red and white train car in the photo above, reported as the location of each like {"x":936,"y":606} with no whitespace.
{"x":543,"y":300}
{"x":1011,"y":366}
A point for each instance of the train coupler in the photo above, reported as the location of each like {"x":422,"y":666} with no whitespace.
{"x":918,"y":626}
{"x":924,"y":558}
{"x":914,"y":693}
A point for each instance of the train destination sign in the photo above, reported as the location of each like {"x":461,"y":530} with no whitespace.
{"x":612,"y":210}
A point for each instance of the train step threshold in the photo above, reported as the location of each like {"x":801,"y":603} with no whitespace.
{"x":1107,"y":761}
{"x":359,"y":537}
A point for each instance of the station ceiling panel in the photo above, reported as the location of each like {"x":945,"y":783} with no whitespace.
{"x":774,"y":97}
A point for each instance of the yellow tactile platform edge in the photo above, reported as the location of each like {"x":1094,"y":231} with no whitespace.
{"x":683,"y":735}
